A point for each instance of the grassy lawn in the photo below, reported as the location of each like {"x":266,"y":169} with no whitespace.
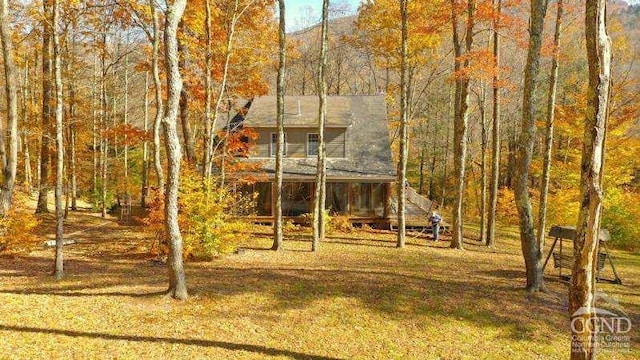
{"x":358,"y":297}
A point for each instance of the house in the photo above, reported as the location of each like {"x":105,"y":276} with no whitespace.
{"x":360,"y":168}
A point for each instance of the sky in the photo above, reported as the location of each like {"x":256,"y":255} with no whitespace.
{"x":302,"y":13}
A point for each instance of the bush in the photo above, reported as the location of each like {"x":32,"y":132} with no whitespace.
{"x":208,"y":229}
{"x":307,"y":220}
{"x":341,"y":223}
{"x":17,"y":226}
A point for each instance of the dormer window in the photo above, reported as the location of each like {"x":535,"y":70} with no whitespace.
{"x":274,"y":144}
{"x":313,"y":142}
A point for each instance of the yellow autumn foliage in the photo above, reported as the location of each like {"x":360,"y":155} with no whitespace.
{"x":207,"y":225}
{"x":16,"y":228}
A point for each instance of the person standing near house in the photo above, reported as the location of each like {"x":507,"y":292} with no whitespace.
{"x":435,"y":220}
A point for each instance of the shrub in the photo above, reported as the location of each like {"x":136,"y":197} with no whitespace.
{"x":208,"y":229}
{"x":16,"y":227}
{"x":341,"y":223}
{"x":306,"y":219}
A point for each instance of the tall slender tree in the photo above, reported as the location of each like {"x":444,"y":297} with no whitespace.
{"x":177,"y":278}
{"x":404,"y":120}
{"x":47,"y":89}
{"x":585,"y":246}
{"x":551,"y":102}
{"x":57,"y":71}
{"x":461,"y":112}
{"x":531,"y":248}
{"x":11,"y":91}
{"x":319,"y":198}
{"x":495,"y":131}
{"x":144,"y":192}
{"x":282,"y":41}
{"x":157,"y":122}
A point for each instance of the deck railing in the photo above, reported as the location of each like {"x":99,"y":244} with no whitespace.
{"x":419,"y":200}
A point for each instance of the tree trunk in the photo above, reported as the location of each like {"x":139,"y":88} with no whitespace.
{"x":318,"y":199}
{"x":585,"y":246}
{"x":157,"y":162}
{"x":59,"y":270}
{"x":125,"y":118}
{"x":404,"y":119}
{"x":483,"y":166}
{"x":43,"y":188}
{"x":223,"y":86}
{"x":551,"y":102}
{"x":282,"y":55}
{"x":531,"y":248}
{"x":495,"y":134}
{"x":208,"y":122}
{"x":144,"y":192}
{"x":187,"y":133}
{"x":460,"y":118}
{"x":27,"y":96}
{"x":94,"y":133}
{"x":104,"y":143}
{"x":177,"y":278}
{"x":11,"y":91}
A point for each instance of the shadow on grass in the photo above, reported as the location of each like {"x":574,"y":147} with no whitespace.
{"x":197,"y":342}
{"x":64,"y":292}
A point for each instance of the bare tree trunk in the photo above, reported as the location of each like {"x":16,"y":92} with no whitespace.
{"x":208,"y":122}
{"x":551,"y":102}
{"x":26,"y":96}
{"x":318,"y":200}
{"x":94,"y":133}
{"x":43,"y":190}
{"x":460,"y":119}
{"x":235,"y":16}
{"x":277,"y":224}
{"x":158,"y":90}
{"x":585,"y":246}
{"x":483,"y":166}
{"x":125,"y":118}
{"x":59,"y":270}
{"x":404,"y":119}
{"x":104,"y":143}
{"x":177,"y":278}
{"x":187,"y":133}
{"x":495,"y":134}
{"x":144,"y":193}
{"x":531,"y":248}
{"x":70,"y":170}
{"x":11,"y":91}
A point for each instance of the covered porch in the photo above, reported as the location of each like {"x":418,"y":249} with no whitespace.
{"x":363,"y":202}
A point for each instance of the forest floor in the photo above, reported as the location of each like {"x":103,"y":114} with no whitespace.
{"x":358,"y":297}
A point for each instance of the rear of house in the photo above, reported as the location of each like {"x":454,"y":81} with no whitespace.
{"x":360,"y":169}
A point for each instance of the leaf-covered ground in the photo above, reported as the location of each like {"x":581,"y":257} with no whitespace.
{"x":357,"y":298}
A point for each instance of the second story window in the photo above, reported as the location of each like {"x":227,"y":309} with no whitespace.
{"x":274,"y":144}
{"x":312,"y":144}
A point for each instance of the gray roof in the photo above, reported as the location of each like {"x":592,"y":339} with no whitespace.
{"x":300,"y":111}
{"x":368,"y":149}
